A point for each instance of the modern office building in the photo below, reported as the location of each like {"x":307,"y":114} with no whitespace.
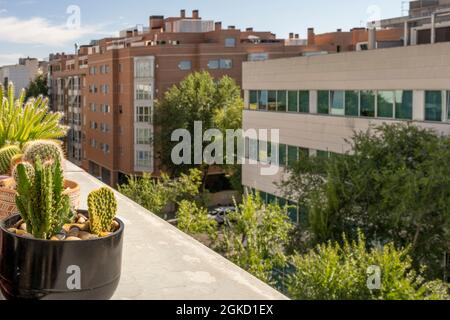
{"x":108,"y":88}
{"x":318,"y":102}
{"x":22,"y":73}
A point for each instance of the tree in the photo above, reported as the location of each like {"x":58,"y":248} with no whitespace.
{"x":394,"y":186}
{"x":255,"y":237}
{"x":22,"y":121}
{"x":333,"y":271}
{"x":194,"y":220}
{"x":37,"y":87}
{"x":156,"y":194}
{"x":216,"y":104}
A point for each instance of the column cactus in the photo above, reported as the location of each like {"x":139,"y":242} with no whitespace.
{"x":29,"y":170}
{"x":46,"y":150}
{"x":41,"y":200}
{"x":102,"y":206}
{"x":7,"y":153}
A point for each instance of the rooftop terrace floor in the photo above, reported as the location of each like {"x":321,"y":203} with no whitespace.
{"x":160,"y":262}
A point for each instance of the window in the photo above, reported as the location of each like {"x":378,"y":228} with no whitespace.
{"x":304,"y":101}
{"x":367,"y":99}
{"x":143,"y":136}
{"x":292,"y":101}
{"x":143,"y":114}
{"x":282,"y":154}
{"x":185,"y":65}
{"x":93,"y":143}
{"x":105,"y":88}
{"x":93,"y":125}
{"x":352,"y":103}
{"x":281,"y":101}
{"x":385,"y":104}
{"x":220,"y":64}
{"x":433,"y":105}
{"x":292,"y":155}
{"x":263,"y":99}
{"x":143,"y":68}
{"x":303,"y":153}
{"x":104,"y":128}
{"x":323,"y":102}
{"x":404,"y":105}
{"x":448,"y":105}
{"x":322,"y":154}
{"x":272,"y":101}
{"x":230,"y":42}
{"x":143,"y":92}
{"x":105,"y":108}
{"x":93,"y":70}
{"x":93,"y":107}
{"x":120,"y":67}
{"x":337,"y":103}
{"x":213,"y":64}
{"x":226,"y":64}
{"x":143,"y":159}
{"x":253,"y":99}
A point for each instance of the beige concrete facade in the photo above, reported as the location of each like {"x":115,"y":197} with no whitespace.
{"x":416,"y":68}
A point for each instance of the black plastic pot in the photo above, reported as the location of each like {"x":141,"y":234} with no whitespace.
{"x":59,"y":270}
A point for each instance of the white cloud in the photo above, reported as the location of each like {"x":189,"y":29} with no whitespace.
{"x":10,"y":58}
{"x":38,"y":30}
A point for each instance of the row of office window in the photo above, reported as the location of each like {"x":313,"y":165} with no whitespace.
{"x":297,"y":215}
{"x":102,"y":146}
{"x":104,"y":69}
{"x":105,"y":108}
{"x":104,"y":127}
{"x":212,"y":64}
{"x":262,"y":151}
{"x":394,"y":104}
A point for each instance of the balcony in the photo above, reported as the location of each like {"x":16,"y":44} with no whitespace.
{"x":161,"y":262}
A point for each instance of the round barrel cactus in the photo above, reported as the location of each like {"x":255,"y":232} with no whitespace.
{"x":46,"y":150}
{"x":6,"y":155}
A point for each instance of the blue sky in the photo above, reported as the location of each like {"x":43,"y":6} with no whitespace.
{"x":36,"y":28}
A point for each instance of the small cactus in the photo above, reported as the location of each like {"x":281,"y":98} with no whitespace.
{"x":41,"y":201}
{"x":46,"y":150}
{"x":29,"y":170}
{"x":6,"y":155}
{"x":102,"y":205}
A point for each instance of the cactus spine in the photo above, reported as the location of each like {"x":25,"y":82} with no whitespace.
{"x":102,"y":206}
{"x":41,"y":200}
{"x":6,"y":155}
{"x":46,"y":150}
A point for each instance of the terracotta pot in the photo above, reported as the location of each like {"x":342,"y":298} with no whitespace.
{"x":8,"y":197}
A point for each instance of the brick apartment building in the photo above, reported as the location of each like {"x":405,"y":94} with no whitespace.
{"x":107,"y":90}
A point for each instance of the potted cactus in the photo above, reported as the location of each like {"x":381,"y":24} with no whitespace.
{"x":50,"y":251}
{"x":11,"y":156}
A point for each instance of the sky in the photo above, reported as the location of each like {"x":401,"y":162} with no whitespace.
{"x":36,"y":28}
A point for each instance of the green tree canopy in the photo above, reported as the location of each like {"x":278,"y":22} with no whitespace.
{"x":395,"y":187}
{"x":37,"y":87}
{"x":350,"y":271}
{"x":199,"y":97}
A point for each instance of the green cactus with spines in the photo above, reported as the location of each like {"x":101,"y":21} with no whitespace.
{"x":102,"y":206}
{"x":29,"y":170}
{"x":6,"y":155}
{"x":46,"y":150}
{"x":41,"y":200}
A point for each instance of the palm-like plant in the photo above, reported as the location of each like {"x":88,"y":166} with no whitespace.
{"x":22,"y":121}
